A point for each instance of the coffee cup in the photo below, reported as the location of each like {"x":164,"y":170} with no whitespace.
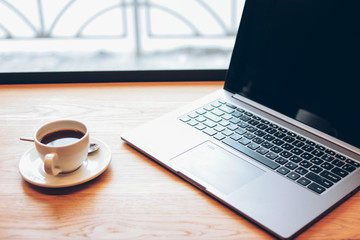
{"x":62,"y":145}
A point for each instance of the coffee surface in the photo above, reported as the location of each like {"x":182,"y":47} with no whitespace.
{"x":62,"y":137}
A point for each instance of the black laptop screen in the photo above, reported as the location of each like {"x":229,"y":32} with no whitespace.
{"x":301,"y":58}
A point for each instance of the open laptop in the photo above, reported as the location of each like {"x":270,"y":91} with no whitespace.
{"x":280,"y":143}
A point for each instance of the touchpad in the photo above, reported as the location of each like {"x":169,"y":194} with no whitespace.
{"x":216,"y":166}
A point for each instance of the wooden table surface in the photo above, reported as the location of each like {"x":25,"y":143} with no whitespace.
{"x":134,"y":198}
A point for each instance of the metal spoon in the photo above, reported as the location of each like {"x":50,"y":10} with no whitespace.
{"x":92,"y":148}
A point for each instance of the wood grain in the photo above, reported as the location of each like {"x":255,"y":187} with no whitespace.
{"x":135,"y":198}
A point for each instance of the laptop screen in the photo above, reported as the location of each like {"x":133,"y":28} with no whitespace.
{"x":301,"y":58}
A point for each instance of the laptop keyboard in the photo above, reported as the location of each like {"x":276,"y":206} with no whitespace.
{"x":298,"y":159}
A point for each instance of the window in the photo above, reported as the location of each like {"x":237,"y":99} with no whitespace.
{"x":113,"y":35}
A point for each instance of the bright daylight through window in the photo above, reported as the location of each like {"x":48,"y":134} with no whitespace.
{"x":94,"y":35}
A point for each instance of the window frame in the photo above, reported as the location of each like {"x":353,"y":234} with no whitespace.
{"x":113,"y":76}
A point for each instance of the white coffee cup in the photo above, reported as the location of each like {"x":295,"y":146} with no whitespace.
{"x":63,"y":145}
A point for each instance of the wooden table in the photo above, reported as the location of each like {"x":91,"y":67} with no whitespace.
{"x":135,"y":198}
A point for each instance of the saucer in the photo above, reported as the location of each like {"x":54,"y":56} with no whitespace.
{"x":32,"y":170}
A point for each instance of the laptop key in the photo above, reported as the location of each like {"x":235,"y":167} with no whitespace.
{"x":276,"y":149}
{"x":327,"y":165}
{"x":271,"y":155}
{"x":319,"y":180}
{"x":306,"y":156}
{"x":240,"y":131}
{"x":316,"y":161}
{"x":281,"y":160}
{"x":298,"y":143}
{"x":259,"y":141}
{"x":200,"y":119}
{"x":270,"y":130}
{"x":317,"y":153}
{"x":341,"y":157}
{"x":330,"y":152}
{"x":295,"y":159}
{"x":267,"y":145}
{"x":283,"y":170}
{"x":257,"y":118}
{"x":200,"y":126}
{"x":217,"y":112}
{"x":305,"y":164}
{"x":269,"y":137}
{"x":262,"y":151}
{"x":300,"y":138}
{"x":216,"y":104}
{"x":219,"y":136}
{"x":253,"y":122}
{"x":249,"y":135}
{"x":185,"y":118}
{"x":279,"y":134}
{"x":227,"y":109}
{"x":349,"y":168}
{"x":209,"y":123}
{"x":296,"y":151}
{"x":236,"y":114}
{"x":201,"y":111}
{"x":212,"y":117}
{"x":234,"y":120}
{"x":192,"y":122}
{"x":224,"y":123}
{"x":253,"y":146}
{"x":248,"y":114}
{"x":338,"y":163}
{"x":243,"y":124}
{"x":311,"y":143}
{"x":235,"y":136}
{"x":231,"y":106}
{"x":279,"y":142}
{"x":219,"y":128}
{"x":245,"y":118}
{"x":262,"y":126}
{"x":307,"y":148}
{"x":227,"y":132}
{"x":244,"y":141}
{"x":316,"y":188}
{"x":327,"y":158}
{"x":332,"y":177}
{"x":286,"y":146}
{"x":315,"y":169}
{"x":303,"y":181}
{"x":247,"y":151}
{"x":301,"y":170}
{"x":289,"y":139}
{"x":232,"y":127}
{"x":285,"y":154}
{"x":259,"y":133}
{"x":293,"y":176}
{"x":291,"y":165}
{"x":321,"y":148}
{"x":226,"y":116}
{"x":352,"y":162}
{"x":210,"y":131}
{"x":340,"y":172}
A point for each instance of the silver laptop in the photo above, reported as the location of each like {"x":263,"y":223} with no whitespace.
{"x":280,"y":143}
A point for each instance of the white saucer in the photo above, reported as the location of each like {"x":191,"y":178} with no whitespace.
{"x":32,"y":170}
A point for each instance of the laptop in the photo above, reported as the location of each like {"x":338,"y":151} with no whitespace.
{"x":280,"y":143}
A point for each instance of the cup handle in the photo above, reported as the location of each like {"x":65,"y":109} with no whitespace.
{"x":49,"y":164}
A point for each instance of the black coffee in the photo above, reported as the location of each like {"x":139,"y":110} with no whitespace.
{"x":62,"y":137}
